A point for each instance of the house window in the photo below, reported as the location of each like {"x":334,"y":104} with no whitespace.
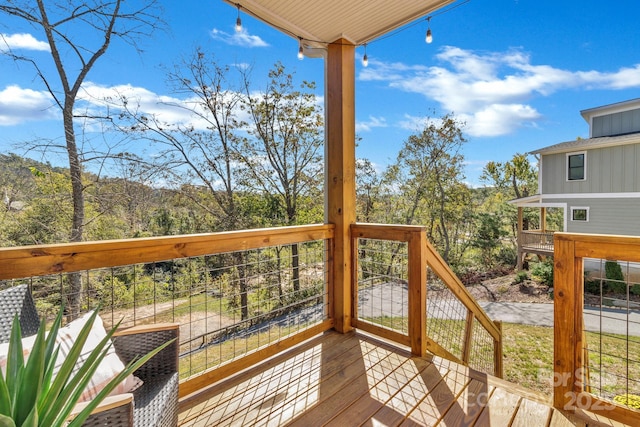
{"x":580,"y":214}
{"x":576,"y":166}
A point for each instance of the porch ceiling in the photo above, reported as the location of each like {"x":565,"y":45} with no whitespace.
{"x":324,"y":21}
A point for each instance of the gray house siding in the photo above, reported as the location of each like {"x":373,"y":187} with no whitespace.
{"x":608,"y":170}
{"x":606,"y":215}
{"x":604,"y":193}
{"x":616,"y":123}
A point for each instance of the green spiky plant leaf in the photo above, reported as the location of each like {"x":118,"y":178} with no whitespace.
{"x":31,"y":396}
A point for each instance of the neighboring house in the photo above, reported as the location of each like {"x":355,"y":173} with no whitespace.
{"x":596,"y":181}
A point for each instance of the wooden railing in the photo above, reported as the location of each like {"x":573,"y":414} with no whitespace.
{"x":120,"y":264}
{"x":588,"y":376}
{"x":537,"y":239}
{"x":195,"y":280}
{"x":398,"y":272}
{"x":39,"y":260}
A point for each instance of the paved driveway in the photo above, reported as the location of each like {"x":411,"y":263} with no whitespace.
{"x":390,"y":299}
{"x":609,"y":320}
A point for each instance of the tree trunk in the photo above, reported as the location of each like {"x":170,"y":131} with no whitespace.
{"x":242,"y":285}
{"x":77,"y":192}
{"x":295,"y":266}
{"x":279,"y":278}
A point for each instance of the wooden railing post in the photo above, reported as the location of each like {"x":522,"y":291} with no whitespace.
{"x":568,"y":303}
{"x":520,"y":237}
{"x":340,"y":164}
{"x":498,"y":370}
{"x":417,"y":252}
{"x":468,"y":337}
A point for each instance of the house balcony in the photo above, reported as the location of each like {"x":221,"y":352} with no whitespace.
{"x":263,"y":340}
{"x":537,"y":241}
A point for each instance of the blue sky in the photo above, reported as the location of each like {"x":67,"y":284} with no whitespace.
{"x":517,"y":72}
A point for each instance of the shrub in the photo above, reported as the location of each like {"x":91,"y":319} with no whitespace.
{"x":615,"y":278}
{"x":543,"y":271}
{"x":630,"y":400}
{"x":591,"y":286}
{"x":507,"y":255}
{"x":521,"y":276}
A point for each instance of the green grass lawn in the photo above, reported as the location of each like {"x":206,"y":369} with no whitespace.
{"x":528,"y":352}
{"x":528,"y":356}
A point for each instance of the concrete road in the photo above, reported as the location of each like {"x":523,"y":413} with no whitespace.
{"x":609,"y":320}
{"x":390,"y":299}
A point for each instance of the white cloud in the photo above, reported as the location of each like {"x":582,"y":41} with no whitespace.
{"x":242,"y":38}
{"x":491,"y":91}
{"x":382,"y":71}
{"x":167,"y":110}
{"x":373,"y":122}
{"x":21,"y":41}
{"x":499,"y":119}
{"x":18,"y":105}
{"x":242,"y":66}
{"x":418,"y":123}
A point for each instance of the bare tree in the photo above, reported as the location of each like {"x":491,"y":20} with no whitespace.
{"x":78,"y":35}
{"x":201,"y":154}
{"x":284,"y":156}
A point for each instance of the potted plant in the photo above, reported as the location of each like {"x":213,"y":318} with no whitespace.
{"x":32,"y":395}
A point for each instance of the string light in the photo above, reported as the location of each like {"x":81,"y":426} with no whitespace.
{"x":238,"y":20}
{"x":365,"y":59}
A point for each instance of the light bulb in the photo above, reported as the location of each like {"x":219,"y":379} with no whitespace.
{"x":238,"y":20}
{"x":429,"y":37}
{"x":300,"y":51}
{"x":365,"y":58}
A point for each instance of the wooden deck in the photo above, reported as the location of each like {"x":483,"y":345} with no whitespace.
{"x":353,"y":379}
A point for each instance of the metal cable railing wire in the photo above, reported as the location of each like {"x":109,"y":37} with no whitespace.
{"x":612,"y":330}
{"x":225,"y":309}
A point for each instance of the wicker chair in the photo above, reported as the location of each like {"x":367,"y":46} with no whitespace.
{"x":155,"y":403}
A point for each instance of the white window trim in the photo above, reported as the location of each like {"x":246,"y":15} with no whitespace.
{"x":575,"y":208}
{"x":566,"y":163}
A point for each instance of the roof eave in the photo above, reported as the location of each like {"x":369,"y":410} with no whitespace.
{"x":589,"y":143}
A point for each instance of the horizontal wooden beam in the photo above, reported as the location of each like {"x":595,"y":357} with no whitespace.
{"x":399,"y":233}
{"x":40,"y":260}
{"x":382,"y":332}
{"x":625,"y":248}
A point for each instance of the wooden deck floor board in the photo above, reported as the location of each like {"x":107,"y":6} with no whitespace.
{"x":500,"y":409}
{"x":407,"y":399}
{"x":240,"y":392}
{"x":379,"y":395}
{"x":354,"y":379}
{"x":336,"y":374}
{"x":338,"y":393}
{"x":531,"y":413}
{"x":467,"y":407}
{"x":305,"y":387}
